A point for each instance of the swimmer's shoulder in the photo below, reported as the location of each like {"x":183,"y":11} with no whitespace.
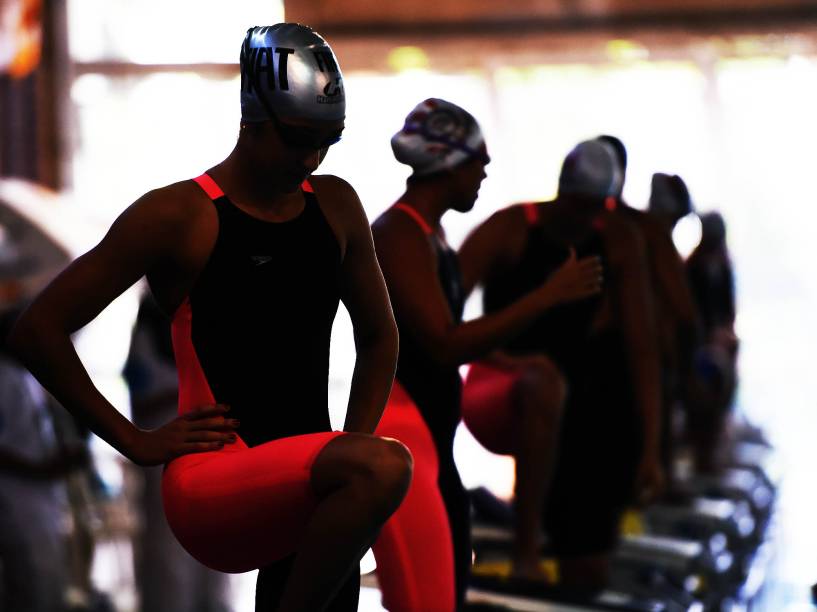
{"x":176,"y":218}
{"x":342,"y":208}
{"x":508,"y":230}
{"x":174,"y":204}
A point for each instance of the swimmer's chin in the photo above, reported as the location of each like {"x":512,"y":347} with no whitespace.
{"x":290,"y":183}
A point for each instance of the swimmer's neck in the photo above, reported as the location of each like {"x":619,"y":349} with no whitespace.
{"x":239,"y":180}
{"x":428,"y":200}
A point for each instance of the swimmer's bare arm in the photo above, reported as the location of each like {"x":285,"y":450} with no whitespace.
{"x":364,"y":294}
{"x":493,"y":248}
{"x":410,"y":269}
{"x":634,"y":302}
{"x":151,"y":233}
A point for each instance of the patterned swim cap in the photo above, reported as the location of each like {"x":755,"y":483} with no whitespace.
{"x":437,"y":136}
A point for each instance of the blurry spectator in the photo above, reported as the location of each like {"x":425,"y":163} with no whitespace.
{"x":34,"y":517}
{"x":168,"y":578}
{"x":47,"y":543}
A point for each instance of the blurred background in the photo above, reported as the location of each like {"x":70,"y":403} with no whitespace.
{"x":103,"y":100}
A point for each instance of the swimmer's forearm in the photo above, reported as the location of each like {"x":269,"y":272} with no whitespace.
{"x":49,"y":354}
{"x":475,"y":339}
{"x":372,"y":380}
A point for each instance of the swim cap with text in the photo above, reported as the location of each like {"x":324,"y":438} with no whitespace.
{"x":289,"y":70}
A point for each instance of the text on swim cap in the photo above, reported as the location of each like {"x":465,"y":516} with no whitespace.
{"x":260,"y":60}
{"x":326,"y":61}
{"x":333,"y":92}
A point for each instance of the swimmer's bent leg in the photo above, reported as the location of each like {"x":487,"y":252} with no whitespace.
{"x":241,"y":508}
{"x":324,"y":495}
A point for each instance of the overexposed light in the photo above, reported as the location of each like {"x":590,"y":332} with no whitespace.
{"x":368,"y":563}
{"x":161,"y":31}
{"x":687,"y":234}
{"x":89,"y":88}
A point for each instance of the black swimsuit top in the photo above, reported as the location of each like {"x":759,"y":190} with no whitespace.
{"x":255,"y":328}
{"x":564,"y":329}
{"x":436,"y":390}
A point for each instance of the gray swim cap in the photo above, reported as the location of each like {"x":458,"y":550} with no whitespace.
{"x":437,"y":136}
{"x":289,"y":70}
{"x":591,"y":169}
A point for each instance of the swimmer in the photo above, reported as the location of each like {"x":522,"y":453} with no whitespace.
{"x":605,"y":346}
{"x":444,"y":146}
{"x":250,"y":260}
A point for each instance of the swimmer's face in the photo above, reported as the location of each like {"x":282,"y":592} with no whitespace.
{"x":293,"y":149}
{"x":467,"y":178}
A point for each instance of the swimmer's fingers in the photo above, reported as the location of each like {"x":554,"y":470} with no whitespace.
{"x":208,"y":410}
{"x":209,"y":436}
{"x":591,"y":265}
{"x":200,"y":447}
{"x":587,"y":279}
{"x":218,"y":423}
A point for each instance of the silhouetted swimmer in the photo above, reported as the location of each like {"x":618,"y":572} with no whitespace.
{"x":605,"y":346}
{"x":446,"y":151}
{"x":714,"y":375}
{"x":676,"y":316}
{"x":250,"y":259}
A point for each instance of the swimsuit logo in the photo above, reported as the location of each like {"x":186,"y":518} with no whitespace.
{"x":260,"y":260}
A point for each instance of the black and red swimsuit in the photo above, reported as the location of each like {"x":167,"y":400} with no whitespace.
{"x":254,"y":334}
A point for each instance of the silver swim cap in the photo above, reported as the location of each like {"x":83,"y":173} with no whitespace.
{"x":590,"y":169}
{"x":437,"y":136}
{"x":289,"y":70}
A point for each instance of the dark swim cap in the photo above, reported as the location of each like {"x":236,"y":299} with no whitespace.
{"x":713,"y":228}
{"x":288,"y":70}
{"x":669,"y":196}
{"x":590,"y":169}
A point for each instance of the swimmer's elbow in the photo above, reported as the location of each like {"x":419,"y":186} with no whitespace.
{"x":22,"y":337}
{"x":384,"y":339}
{"x":30,"y":336}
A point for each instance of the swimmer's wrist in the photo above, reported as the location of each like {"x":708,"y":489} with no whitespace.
{"x":131,"y":441}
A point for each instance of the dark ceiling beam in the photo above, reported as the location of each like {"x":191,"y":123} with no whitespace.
{"x":123,"y":68}
{"x":715,"y":20}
